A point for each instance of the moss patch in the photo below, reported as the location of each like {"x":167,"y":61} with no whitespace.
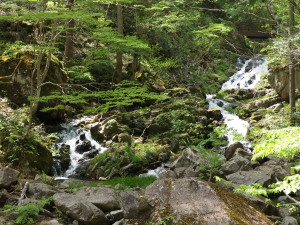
{"x":238,"y":208}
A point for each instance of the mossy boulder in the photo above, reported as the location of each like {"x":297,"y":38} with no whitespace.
{"x":192,"y":201}
{"x":15,"y":79}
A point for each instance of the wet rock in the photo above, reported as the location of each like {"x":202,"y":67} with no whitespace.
{"x":8,"y":177}
{"x":215,"y":114}
{"x":80,"y":210}
{"x":192,"y":201}
{"x":230,"y":151}
{"x":84,"y":146}
{"x":105,"y":199}
{"x":90,"y":154}
{"x":64,"y":157}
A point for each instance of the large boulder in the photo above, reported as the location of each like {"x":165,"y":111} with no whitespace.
{"x":16,"y":72}
{"x":192,"y":201}
{"x":263,"y":175}
{"x":40,"y":190}
{"x":80,"y":210}
{"x":104,"y":198}
{"x":236,"y":164}
{"x":279,"y":80}
{"x":8,"y":176}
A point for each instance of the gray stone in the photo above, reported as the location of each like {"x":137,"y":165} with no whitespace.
{"x":230,"y":151}
{"x":104,"y":198}
{"x":188,"y":158}
{"x":195,"y":201}
{"x":50,"y":222}
{"x":115,"y":215}
{"x":120,"y":222}
{"x":289,"y":221}
{"x":236,"y":164}
{"x":262,"y":175}
{"x":167,"y":174}
{"x":8,"y":176}
{"x":135,"y":205}
{"x":80,"y":210}
{"x":279,"y":80}
{"x":39,"y":190}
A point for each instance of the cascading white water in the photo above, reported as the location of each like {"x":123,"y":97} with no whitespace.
{"x":70,"y":136}
{"x":248,"y":75}
{"x":246,"y":78}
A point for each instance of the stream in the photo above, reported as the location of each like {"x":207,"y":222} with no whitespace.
{"x":78,"y":147}
{"x":247,"y":76}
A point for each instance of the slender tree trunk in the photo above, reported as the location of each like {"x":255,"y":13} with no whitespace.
{"x":291,"y":67}
{"x":117,"y":77}
{"x":70,"y":33}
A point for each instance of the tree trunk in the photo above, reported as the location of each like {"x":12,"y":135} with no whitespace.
{"x":291,"y":67}
{"x":117,"y":77}
{"x":70,"y":33}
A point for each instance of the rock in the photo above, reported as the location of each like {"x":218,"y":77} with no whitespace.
{"x":167,"y":174}
{"x":262,"y":103}
{"x":7,"y":197}
{"x":50,"y":222}
{"x":40,"y":190}
{"x":279,"y":80}
{"x":120,"y":222}
{"x":123,"y":137}
{"x":115,"y":215}
{"x":188,"y":158}
{"x":262,"y":175}
{"x":110,"y":128}
{"x":192,"y":201}
{"x":236,"y":164}
{"x":104,"y":198}
{"x":229,"y":152}
{"x":263,"y":205}
{"x":8,"y":177}
{"x":84,"y":146}
{"x":135,"y":205}
{"x":288,"y":220}
{"x":80,"y":210}
{"x":90,"y":154}
{"x":215,"y":114}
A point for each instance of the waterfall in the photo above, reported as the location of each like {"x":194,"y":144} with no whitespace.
{"x":82,"y":147}
{"x":247,"y":76}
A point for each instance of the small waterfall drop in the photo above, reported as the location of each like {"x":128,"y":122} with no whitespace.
{"x":246,"y":77}
{"x":82,"y":147}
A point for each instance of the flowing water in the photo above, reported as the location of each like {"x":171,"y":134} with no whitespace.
{"x":73,"y":136}
{"x":247,"y":76}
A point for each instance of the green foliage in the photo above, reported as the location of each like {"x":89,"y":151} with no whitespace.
{"x":281,"y":142}
{"x":254,"y":190}
{"x":124,"y":94}
{"x":212,"y":160}
{"x":80,"y":74}
{"x":17,"y":141}
{"x":129,"y":182}
{"x":26,"y":214}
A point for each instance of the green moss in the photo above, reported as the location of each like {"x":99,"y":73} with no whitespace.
{"x":241,"y":210}
{"x":129,"y":182}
